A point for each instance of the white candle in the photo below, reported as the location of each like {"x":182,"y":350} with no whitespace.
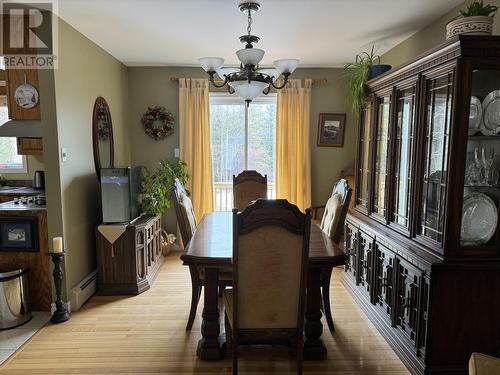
{"x":57,"y":244}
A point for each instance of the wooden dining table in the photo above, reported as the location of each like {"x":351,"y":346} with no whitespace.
{"x":211,"y":248}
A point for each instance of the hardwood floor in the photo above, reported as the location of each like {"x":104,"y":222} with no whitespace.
{"x":146,"y":334}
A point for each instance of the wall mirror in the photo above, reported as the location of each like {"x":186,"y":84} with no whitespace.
{"x":102,"y":136}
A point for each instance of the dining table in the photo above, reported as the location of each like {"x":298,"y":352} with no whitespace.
{"x":211,"y":249}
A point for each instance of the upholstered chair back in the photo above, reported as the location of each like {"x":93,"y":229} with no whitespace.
{"x":247,"y":187}
{"x":271,"y":245}
{"x":336,"y":209}
{"x":186,"y":218}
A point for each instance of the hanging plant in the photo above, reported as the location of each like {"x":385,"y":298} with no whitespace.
{"x":158,"y":122}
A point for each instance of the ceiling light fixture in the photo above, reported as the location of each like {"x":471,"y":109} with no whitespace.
{"x":249,"y":81}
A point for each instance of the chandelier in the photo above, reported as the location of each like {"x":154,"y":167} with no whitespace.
{"x":249,"y":80}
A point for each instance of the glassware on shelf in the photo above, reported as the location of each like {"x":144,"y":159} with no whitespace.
{"x":493,"y":177}
{"x":488,"y":155}
{"x":480,"y":170}
{"x":470,"y":170}
{"x":478,"y":158}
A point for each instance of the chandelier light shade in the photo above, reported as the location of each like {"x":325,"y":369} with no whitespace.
{"x":248,"y":91}
{"x":250,"y":56}
{"x":286,"y":65}
{"x":249,"y":81}
{"x":211,"y":63}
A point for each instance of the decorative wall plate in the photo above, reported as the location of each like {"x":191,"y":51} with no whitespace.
{"x":475,"y":115}
{"x":26,"y":96}
{"x":479,"y":219}
{"x":491,"y":113}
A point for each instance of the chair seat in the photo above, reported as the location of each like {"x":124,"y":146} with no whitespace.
{"x":481,"y":364}
{"x":228,"y":304}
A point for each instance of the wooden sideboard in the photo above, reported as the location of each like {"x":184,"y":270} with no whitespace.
{"x":130,"y":264}
{"x":432,"y":294}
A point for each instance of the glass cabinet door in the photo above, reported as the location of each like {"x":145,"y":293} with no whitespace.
{"x":364,"y":156}
{"x":481,"y":199}
{"x":403,"y":155}
{"x":438,"y":103}
{"x":381,"y":158}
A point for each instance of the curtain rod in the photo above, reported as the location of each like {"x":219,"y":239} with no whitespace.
{"x":321,"y":81}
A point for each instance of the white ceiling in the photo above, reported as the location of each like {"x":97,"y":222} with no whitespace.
{"x":323,"y":33}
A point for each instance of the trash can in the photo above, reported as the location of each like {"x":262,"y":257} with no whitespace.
{"x":14,"y":305}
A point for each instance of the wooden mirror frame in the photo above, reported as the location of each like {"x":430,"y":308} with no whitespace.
{"x":100,"y":102}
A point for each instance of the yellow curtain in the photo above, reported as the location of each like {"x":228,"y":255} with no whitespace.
{"x":293,"y":156}
{"x":194,"y":125}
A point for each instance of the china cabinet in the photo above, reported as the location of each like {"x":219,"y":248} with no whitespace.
{"x":423,"y":240}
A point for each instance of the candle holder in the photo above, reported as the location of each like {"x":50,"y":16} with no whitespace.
{"x":61,"y":314}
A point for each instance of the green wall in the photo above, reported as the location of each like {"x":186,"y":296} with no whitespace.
{"x":152,"y":86}
{"x":85,"y":71}
{"x":429,"y":37}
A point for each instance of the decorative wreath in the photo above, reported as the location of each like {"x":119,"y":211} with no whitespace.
{"x":155,"y":115}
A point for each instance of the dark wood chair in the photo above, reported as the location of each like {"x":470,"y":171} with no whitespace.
{"x":270,"y":253}
{"x":187,"y":225}
{"x":248,"y":186}
{"x":332,"y":223}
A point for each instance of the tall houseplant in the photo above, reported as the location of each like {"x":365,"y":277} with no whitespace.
{"x":477,"y":19}
{"x":366,"y":67}
{"x":157,"y":185}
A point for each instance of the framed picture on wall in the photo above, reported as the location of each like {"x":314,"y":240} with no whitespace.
{"x":331,"y":127}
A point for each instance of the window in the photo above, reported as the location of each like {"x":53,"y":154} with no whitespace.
{"x":10,"y":161}
{"x":242,"y":138}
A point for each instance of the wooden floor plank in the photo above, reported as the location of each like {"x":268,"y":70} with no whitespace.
{"x":146,"y":335}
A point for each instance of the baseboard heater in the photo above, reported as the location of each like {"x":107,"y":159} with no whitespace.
{"x":83,"y":291}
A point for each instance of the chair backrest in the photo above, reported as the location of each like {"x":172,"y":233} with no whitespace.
{"x":184,"y":212}
{"x":248,"y":186}
{"x":336,"y":209}
{"x":270,"y":255}
{"x":349,"y":175}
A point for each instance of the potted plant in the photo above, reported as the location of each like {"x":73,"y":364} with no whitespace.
{"x":366,"y":67}
{"x":477,"y":18}
{"x":157,"y":186}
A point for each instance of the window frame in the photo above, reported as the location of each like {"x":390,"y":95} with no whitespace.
{"x":24,"y":168}
{"x":226,"y":98}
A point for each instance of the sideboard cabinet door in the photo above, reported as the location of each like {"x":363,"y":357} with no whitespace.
{"x":351,"y":248}
{"x":364,"y":159}
{"x":382,"y":141}
{"x":365,"y":263}
{"x":436,"y":141}
{"x":408,"y":281}
{"x":384,"y":285}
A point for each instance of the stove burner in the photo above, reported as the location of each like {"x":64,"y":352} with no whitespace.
{"x":37,"y":200}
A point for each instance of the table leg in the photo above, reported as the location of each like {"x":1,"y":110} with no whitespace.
{"x":314,"y":348}
{"x":209,"y":346}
